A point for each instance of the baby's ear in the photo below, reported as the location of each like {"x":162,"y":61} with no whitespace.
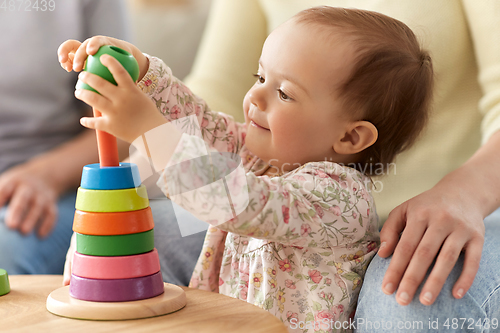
{"x":359,"y":136}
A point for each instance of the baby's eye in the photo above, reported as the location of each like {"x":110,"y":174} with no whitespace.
{"x":259,"y":78}
{"x":283,"y":96}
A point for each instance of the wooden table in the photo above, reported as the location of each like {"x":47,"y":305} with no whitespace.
{"x":23,"y":310}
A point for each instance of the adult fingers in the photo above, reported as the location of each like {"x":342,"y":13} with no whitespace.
{"x":48,"y":221}
{"x":445,"y":262}
{"x":120,"y":74}
{"x":393,"y":226}
{"x":420,"y":262}
{"x":7,"y":188}
{"x":33,"y":214}
{"x":18,"y":205}
{"x":410,"y":238}
{"x":473,"y":251}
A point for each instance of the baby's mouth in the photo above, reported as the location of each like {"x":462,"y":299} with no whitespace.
{"x":253,"y":123}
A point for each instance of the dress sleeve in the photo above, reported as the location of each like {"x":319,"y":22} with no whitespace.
{"x":228,"y":55}
{"x":484,"y":26}
{"x":206,"y":272}
{"x":317,"y":206}
{"x":189,"y":113}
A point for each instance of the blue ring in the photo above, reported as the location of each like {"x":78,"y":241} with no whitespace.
{"x":95,"y":177}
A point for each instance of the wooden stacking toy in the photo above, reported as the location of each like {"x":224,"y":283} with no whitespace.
{"x":116,"y":270}
{"x":121,"y":253}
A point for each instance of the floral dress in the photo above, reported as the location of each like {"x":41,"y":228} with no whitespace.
{"x":300,"y":247}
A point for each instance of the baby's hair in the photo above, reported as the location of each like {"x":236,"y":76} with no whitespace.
{"x":391,"y":82}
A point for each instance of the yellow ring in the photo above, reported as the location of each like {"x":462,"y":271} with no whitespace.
{"x":104,"y":201}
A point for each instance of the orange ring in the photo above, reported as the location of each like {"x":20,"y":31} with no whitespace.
{"x":117,"y":223}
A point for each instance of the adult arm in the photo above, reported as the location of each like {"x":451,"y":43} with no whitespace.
{"x":448,"y":219}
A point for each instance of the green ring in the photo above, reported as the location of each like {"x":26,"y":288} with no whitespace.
{"x":116,"y":245}
{"x":107,"y":201}
{"x":4,"y":282}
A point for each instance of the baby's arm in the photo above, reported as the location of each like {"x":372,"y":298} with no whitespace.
{"x":314,"y":207}
{"x":128,"y":114}
{"x":189,"y":113}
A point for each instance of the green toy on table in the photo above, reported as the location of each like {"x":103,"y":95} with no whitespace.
{"x":4,"y":282}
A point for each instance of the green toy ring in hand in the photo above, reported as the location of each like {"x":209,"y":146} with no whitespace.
{"x":94,"y":65}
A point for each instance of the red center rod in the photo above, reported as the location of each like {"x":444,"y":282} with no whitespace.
{"x":107,"y":147}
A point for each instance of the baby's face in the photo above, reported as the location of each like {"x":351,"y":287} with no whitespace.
{"x":293,"y":111}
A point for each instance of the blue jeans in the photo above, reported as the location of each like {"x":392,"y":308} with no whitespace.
{"x":378,"y":312}
{"x":29,"y":254}
{"x":178,"y":254}
{"x":20,"y":254}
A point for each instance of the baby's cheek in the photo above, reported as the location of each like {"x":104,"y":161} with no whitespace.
{"x":246,"y":106}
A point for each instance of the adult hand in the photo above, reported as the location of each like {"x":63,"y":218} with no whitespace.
{"x":440,"y":222}
{"x":32,"y":200}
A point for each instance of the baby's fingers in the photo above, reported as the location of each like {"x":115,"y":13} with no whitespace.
{"x":95,"y":43}
{"x":93,"y":99}
{"x":69,"y":260}
{"x":66,"y":54}
{"x":120,"y":74}
{"x":89,"y":47}
{"x":80,"y":56}
{"x":69,"y":46}
{"x":98,"y":123}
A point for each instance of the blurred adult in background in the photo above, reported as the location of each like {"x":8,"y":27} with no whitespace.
{"x":439,"y":191}
{"x":42,"y":145}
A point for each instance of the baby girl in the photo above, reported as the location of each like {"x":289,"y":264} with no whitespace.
{"x":337,"y":90}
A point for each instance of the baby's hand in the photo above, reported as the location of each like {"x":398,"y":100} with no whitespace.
{"x":72,"y":53}
{"x":126,"y":111}
{"x":69,"y":260}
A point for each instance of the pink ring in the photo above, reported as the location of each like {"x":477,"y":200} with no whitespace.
{"x":120,"y":267}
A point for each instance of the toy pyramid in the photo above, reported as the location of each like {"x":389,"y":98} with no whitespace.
{"x":116,"y":270}
{"x":115,"y":258}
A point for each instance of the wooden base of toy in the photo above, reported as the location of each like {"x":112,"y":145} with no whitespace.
{"x":60,"y":303}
